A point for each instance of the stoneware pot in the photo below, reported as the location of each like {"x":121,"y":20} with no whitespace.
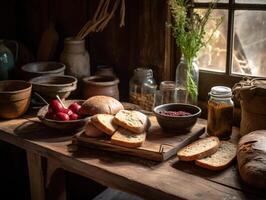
{"x":76,"y":58}
{"x":35,"y":69}
{"x":100,"y":85}
{"x":14,"y":98}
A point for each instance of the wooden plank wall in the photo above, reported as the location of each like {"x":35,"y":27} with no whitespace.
{"x":144,"y":41}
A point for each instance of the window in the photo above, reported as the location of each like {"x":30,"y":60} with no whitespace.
{"x":239,"y":45}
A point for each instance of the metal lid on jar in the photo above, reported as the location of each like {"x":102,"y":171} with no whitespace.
{"x":221,"y":92}
{"x":141,"y":71}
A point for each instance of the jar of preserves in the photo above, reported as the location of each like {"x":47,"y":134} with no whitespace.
{"x":220,"y":112}
{"x":142,"y":88}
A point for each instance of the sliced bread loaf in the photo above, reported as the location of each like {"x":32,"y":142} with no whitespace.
{"x":92,"y":131}
{"x":221,"y":159}
{"x":134,"y":121}
{"x":199,"y":149}
{"x":126,"y":138}
{"x":104,"y":122}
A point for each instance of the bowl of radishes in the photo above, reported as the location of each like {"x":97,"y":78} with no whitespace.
{"x":63,"y":115}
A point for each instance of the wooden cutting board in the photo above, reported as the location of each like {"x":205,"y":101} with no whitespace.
{"x":159,"y":146}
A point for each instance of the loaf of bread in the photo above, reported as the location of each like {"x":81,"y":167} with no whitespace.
{"x":104,"y":122}
{"x":92,"y":131}
{"x":126,"y":138}
{"x":221,"y":159}
{"x":251,"y":158}
{"x":100,"y":105}
{"x":199,"y":149}
{"x":134,"y":121}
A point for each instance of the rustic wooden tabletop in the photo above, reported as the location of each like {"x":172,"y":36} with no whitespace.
{"x":172,"y":179}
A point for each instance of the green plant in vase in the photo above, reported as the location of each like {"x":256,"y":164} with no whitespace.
{"x":189,"y":30}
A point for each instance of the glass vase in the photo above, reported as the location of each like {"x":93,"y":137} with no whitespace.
{"x":187,"y":81}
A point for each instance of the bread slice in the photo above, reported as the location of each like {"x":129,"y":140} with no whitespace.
{"x":126,"y":138}
{"x":92,"y":131}
{"x":104,"y":122}
{"x":199,"y":149}
{"x":134,"y":121}
{"x":221,"y":159}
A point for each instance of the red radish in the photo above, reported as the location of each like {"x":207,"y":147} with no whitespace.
{"x":67,"y":111}
{"x":50,"y":110}
{"x":74,"y":107}
{"x":49,"y":115}
{"x":74,"y":116}
{"x":62,"y":116}
{"x":56,"y":106}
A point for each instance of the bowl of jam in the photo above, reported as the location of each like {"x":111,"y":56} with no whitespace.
{"x":177,"y":117}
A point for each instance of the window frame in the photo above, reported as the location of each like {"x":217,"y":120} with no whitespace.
{"x":227,"y":78}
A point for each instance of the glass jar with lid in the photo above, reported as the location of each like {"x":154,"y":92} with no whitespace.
{"x":220,"y":112}
{"x":142,"y":88}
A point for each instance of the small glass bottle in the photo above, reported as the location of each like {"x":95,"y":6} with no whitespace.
{"x":181,"y":78}
{"x":166,"y":94}
{"x":220,"y":112}
{"x":142,"y":88}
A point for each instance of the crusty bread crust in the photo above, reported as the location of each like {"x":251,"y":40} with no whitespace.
{"x":100,"y":105}
{"x":122,"y":138}
{"x":104,"y":122}
{"x":134,"y":121}
{"x":92,"y":131}
{"x":214,"y":167}
{"x":200,"y":154}
{"x":251,"y":158}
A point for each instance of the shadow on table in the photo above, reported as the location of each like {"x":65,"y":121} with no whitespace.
{"x":36,"y":131}
{"x":112,"y":158}
{"x":191,"y":168}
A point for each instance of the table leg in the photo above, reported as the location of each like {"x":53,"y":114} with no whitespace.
{"x":36,"y":178}
{"x":55,"y":182}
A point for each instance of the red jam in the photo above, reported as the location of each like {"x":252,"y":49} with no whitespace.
{"x":174,"y":113}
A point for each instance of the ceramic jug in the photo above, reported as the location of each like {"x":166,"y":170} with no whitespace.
{"x":7,"y":60}
{"x":76,"y":58}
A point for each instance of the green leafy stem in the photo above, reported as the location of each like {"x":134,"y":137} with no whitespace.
{"x":189,"y":30}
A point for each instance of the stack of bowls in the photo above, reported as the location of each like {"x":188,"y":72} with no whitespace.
{"x":36,"y":69}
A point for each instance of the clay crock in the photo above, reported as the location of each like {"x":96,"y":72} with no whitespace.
{"x":100,"y":85}
{"x":14,"y":98}
{"x":76,"y":58}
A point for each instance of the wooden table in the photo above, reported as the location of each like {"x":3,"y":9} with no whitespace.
{"x":47,"y":153}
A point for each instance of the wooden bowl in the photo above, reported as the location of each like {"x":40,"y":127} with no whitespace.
{"x":51,"y":85}
{"x":62,"y":125}
{"x":36,"y":69}
{"x":179,"y":124}
{"x":14,"y":98}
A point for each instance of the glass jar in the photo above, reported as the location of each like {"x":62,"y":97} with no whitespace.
{"x":166,"y":94}
{"x":187,"y":93}
{"x":142,"y":88}
{"x":220,"y":112}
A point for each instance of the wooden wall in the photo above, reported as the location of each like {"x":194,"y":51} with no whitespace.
{"x":144,"y":41}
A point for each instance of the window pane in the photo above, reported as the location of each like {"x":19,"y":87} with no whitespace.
{"x":251,"y":1}
{"x":213,"y":56}
{"x":249,"y":55}
{"x":208,"y":1}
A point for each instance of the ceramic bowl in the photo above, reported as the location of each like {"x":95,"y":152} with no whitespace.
{"x":51,"y":85}
{"x":177,"y":123}
{"x":62,"y":125}
{"x":100,"y":85}
{"x":36,"y":69}
{"x":14,"y":98}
